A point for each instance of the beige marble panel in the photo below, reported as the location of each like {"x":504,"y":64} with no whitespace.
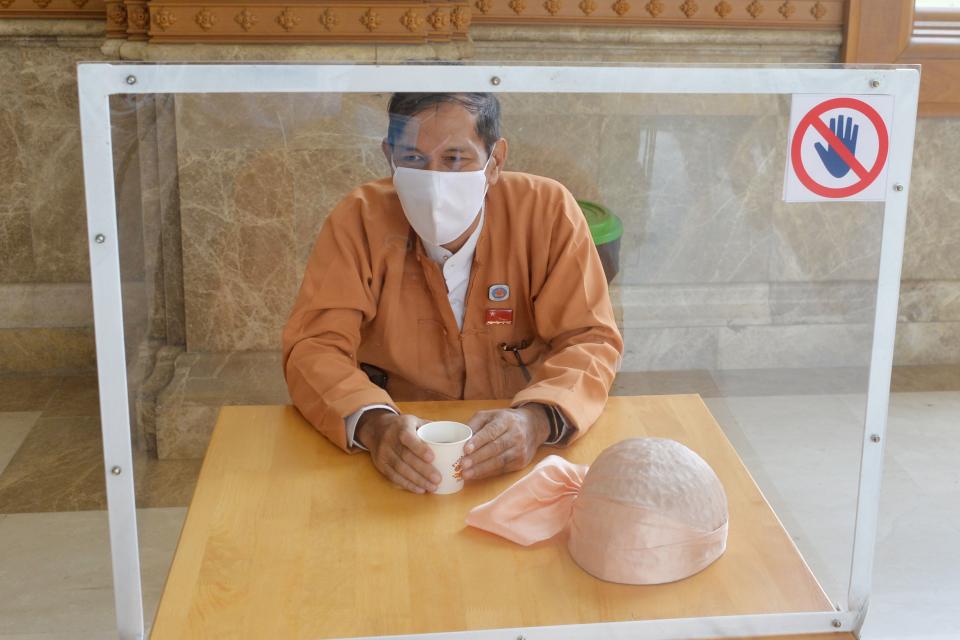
{"x":237,"y":230}
{"x":831,"y":241}
{"x":933,"y":225}
{"x":14,"y":427}
{"x":693,"y":305}
{"x":274,"y":121}
{"x":187,"y":409}
{"x":927,"y":343}
{"x":930,"y":301}
{"x":564,"y":147}
{"x":694,"y":196}
{"x":39,"y":350}
{"x":794,"y":346}
{"x":822,"y":302}
{"x":45,"y":305}
{"x":26,"y":392}
{"x":667,"y":349}
{"x":643,"y":44}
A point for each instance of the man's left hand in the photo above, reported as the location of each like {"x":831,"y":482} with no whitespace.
{"x":504,"y":440}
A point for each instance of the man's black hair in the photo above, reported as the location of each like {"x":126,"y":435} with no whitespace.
{"x":485,"y":106}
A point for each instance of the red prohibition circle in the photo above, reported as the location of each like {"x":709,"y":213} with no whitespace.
{"x":871,"y":174}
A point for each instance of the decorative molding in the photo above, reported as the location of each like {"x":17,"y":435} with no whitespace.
{"x":818,"y":11}
{"x":342,"y":21}
{"x":287,"y":19}
{"x":205,"y":19}
{"x":752,"y":14}
{"x":689,"y":8}
{"x":61,"y":9}
{"x":246,"y":19}
{"x":138,"y":19}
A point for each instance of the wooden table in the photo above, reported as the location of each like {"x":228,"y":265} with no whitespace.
{"x":288,"y":537}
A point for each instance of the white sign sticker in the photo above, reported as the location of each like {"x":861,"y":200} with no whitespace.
{"x":838,"y":148}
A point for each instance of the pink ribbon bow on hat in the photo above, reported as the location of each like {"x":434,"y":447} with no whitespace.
{"x":648,"y":511}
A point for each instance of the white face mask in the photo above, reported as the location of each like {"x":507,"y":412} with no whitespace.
{"x":440,"y":205}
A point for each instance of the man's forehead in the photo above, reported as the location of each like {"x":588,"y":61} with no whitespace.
{"x":443,"y":124}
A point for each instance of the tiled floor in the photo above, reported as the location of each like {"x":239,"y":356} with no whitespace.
{"x":55,"y":578}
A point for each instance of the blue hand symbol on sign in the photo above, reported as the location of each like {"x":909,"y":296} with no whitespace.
{"x":831,"y":159}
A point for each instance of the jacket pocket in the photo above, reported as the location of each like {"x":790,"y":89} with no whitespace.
{"x":518,"y":363}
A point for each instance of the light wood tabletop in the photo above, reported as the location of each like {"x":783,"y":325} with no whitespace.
{"x":289,"y":537}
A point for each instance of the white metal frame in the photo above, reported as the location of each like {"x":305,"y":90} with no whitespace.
{"x":97,"y":82}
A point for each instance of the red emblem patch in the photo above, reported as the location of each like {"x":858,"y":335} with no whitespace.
{"x":499,"y":316}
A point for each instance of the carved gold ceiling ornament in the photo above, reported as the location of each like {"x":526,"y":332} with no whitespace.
{"x":205,"y":19}
{"x":484,"y":6}
{"x":552,"y":6}
{"x":587,"y":6}
{"x":755,"y":9}
{"x":370,"y":20}
{"x":164,"y":18}
{"x":654,"y":8}
{"x":117,"y":13}
{"x":621,"y":7}
{"x":818,"y":10}
{"x":6,"y":3}
{"x":287,"y":19}
{"x":246,"y":19}
{"x":787,"y":10}
{"x":437,"y":19}
{"x":460,"y":18}
{"x":689,"y":8}
{"x":79,"y":4}
{"x":411,"y":20}
{"x":43,"y":4}
{"x":723,"y":9}
{"x":329,"y":19}
{"x":518,"y":6}
{"x":138,"y":17}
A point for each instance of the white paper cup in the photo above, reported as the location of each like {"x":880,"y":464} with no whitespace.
{"x":446,"y":440}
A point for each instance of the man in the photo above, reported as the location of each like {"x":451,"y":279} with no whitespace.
{"x":453,"y":279}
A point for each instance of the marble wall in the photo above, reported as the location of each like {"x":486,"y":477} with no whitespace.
{"x":221,"y":198}
{"x":45,"y":321}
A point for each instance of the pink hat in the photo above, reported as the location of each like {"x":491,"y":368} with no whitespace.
{"x":648,"y":511}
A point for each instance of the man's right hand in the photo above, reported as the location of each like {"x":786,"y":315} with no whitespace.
{"x":396,"y":450}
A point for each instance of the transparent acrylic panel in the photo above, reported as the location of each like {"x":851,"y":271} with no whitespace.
{"x":55,"y":572}
{"x":719,"y":288}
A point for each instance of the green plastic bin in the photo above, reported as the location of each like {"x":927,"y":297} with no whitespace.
{"x":607,"y":231}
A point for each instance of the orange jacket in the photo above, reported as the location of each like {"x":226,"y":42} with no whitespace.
{"x":371,"y":295}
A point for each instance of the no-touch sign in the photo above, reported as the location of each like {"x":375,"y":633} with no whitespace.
{"x":838,"y":148}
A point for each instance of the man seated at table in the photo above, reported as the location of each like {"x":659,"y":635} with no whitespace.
{"x":453,"y":279}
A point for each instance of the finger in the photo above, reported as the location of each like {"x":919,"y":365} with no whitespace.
{"x":477,"y":424}
{"x":497,"y":465}
{"x":411,"y":475}
{"x":839,"y":130}
{"x":408,"y":438}
{"x":833,"y":125}
{"x":424,"y":469}
{"x":856,"y":132}
{"x":823,"y":152}
{"x":490,"y":432}
{"x":506,"y":438}
{"x":849,"y":128}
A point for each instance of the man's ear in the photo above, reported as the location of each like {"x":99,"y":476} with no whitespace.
{"x":387,"y":153}
{"x":499,"y":160}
